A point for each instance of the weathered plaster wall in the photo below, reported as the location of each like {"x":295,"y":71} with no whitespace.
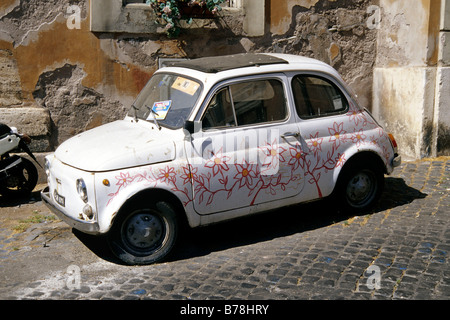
{"x":9,"y":80}
{"x":53,"y":67}
{"x":74,"y":74}
{"x":339,"y":33}
{"x":411,"y":90}
{"x":441,"y":124}
{"x":442,"y":104}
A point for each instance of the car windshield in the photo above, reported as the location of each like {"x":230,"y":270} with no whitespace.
{"x":168,"y":99}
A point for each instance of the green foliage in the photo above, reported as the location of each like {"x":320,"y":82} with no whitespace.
{"x":35,"y":218}
{"x":170,"y":12}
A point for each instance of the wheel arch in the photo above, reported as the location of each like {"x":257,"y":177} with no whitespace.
{"x":154,"y":195}
{"x":368,"y":156}
{"x":359,"y":157}
{"x":357,"y":162}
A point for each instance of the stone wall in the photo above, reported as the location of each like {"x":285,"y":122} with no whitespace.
{"x":68,"y":78}
{"x":411,"y":78}
{"x":9,"y":80}
{"x":340,"y":33}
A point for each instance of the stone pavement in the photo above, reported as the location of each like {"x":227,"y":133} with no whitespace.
{"x":399,"y":251}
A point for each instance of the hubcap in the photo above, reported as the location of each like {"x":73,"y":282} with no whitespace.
{"x":144,"y":231}
{"x":360,"y":188}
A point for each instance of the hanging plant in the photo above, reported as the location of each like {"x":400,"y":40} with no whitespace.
{"x":172,"y":11}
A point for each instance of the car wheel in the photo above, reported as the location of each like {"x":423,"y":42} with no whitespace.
{"x":360,"y":187}
{"x":144,"y":235}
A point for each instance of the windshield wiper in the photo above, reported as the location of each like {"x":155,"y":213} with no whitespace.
{"x":154,"y":118}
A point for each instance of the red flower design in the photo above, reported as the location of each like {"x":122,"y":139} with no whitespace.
{"x":274,"y":155}
{"x":167,"y":175}
{"x":296,"y":157}
{"x":218,"y":163}
{"x":123,"y":179}
{"x":190,"y":174}
{"x":245,"y":174}
{"x":315,"y":143}
{"x":356,"y":115}
{"x":337,"y":134}
{"x":340,"y":160}
{"x":358,"y":138}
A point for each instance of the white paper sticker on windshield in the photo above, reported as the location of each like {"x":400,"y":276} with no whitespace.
{"x":185,"y":85}
{"x":160,"y":110}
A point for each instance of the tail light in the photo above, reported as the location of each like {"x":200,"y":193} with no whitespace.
{"x":393,"y":142}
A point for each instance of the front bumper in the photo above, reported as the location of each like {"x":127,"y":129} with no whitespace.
{"x":397,"y":161}
{"x":83,"y":226}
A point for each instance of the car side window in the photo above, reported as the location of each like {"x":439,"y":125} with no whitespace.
{"x":220,"y":111}
{"x":246,"y":103}
{"x":316,"y":97}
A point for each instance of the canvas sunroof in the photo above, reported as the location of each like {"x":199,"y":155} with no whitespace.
{"x":230,"y":62}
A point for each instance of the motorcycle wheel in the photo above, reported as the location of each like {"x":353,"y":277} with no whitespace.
{"x":22,"y":181}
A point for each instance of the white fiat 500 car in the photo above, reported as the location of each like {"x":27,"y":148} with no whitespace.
{"x":213,"y":139}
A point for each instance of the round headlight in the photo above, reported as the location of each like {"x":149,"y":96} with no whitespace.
{"x":82,"y":190}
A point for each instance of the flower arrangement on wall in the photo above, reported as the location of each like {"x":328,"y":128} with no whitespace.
{"x":172,"y":11}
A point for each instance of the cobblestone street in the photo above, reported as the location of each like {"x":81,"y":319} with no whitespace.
{"x":399,"y":251}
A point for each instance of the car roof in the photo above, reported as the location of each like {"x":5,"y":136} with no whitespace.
{"x":229,"y":62}
{"x":218,"y":64}
{"x":220,"y":67}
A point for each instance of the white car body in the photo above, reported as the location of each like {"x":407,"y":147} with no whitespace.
{"x":216,"y":174}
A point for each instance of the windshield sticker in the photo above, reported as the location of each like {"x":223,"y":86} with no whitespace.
{"x":185,"y":85}
{"x":160,"y":110}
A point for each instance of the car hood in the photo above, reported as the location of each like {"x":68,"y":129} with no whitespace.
{"x":117,"y":145}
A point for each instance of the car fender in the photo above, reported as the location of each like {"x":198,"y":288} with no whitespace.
{"x":353,"y":152}
{"x":114,"y":189}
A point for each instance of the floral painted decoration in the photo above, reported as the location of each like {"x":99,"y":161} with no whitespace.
{"x":225,"y":176}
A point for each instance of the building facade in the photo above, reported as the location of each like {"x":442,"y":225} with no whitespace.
{"x":70,"y":65}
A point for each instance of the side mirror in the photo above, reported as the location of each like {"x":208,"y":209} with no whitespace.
{"x":193,"y":126}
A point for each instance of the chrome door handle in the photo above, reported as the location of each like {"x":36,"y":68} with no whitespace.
{"x":291,"y":134}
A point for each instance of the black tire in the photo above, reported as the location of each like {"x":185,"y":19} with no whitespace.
{"x":359,"y":187}
{"x":144,"y":234}
{"x":22,"y":180}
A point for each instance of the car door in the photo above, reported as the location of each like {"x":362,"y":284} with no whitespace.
{"x":326,"y":129}
{"x":247,"y":150}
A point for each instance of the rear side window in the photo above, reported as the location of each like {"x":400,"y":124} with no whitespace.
{"x":317,"y":97}
{"x":246,"y":103}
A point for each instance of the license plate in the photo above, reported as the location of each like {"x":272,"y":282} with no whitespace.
{"x":59,"y":199}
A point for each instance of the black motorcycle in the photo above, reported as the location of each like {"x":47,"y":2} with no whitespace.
{"x":18,"y":175}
